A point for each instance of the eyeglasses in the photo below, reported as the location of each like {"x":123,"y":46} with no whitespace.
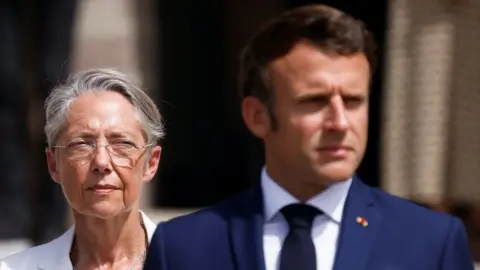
{"x":121,"y":153}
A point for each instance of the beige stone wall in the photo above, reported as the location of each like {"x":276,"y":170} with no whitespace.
{"x":113,"y":33}
{"x":106,"y":35}
{"x":464,"y":146}
{"x":431,"y":139}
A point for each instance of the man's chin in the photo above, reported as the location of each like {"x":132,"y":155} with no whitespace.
{"x":335,"y":171}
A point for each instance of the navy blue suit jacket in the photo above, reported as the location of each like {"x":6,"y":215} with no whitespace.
{"x":400,"y":236}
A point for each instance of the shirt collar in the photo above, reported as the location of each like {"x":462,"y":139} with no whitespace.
{"x":331,"y":201}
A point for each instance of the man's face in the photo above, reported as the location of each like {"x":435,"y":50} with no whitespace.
{"x":102,"y":184}
{"x":321,"y":106}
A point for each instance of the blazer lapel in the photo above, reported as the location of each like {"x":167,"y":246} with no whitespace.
{"x":356,"y":239}
{"x":58,"y":256}
{"x":246,"y":230}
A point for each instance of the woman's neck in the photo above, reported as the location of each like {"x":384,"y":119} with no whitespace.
{"x":113,"y":243}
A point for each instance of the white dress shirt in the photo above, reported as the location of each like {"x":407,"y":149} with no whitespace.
{"x":325,"y":228}
{"x":55,"y":255}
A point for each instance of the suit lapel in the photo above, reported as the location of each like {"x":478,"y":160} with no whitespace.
{"x":356,"y":240}
{"x":246,"y":230}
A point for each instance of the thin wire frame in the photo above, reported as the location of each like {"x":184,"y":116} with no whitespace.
{"x":85,"y":154}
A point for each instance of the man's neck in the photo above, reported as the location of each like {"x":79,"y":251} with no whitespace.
{"x":302,"y":190}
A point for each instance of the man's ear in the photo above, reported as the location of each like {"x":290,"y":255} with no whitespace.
{"x":255,"y":115}
{"x":152,"y":163}
{"x":52,"y":163}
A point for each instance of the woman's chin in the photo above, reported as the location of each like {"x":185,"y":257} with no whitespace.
{"x":102,"y":210}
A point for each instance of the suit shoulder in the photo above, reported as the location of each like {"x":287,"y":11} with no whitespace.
{"x":411,"y":212}
{"x":187,"y":231}
{"x":211,"y":218}
{"x":213,"y":214}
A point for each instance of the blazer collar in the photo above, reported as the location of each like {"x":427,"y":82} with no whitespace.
{"x":59,"y":257}
{"x":149,"y":225}
{"x":246,"y":228}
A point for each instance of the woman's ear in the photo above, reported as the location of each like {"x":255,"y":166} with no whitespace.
{"x":52,"y":163}
{"x":152,"y":163}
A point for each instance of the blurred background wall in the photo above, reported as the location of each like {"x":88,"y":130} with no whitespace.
{"x":431,"y":108}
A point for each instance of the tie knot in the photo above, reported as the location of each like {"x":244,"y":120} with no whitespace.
{"x":300,"y":216}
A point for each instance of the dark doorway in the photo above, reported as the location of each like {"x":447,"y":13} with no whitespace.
{"x":208,"y":154}
{"x":204,"y":158}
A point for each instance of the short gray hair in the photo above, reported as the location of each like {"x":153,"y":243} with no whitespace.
{"x":59,"y":100}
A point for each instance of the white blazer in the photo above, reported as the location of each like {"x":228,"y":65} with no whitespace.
{"x":55,"y":255}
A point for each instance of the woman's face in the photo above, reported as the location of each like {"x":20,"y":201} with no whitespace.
{"x":101,"y":160}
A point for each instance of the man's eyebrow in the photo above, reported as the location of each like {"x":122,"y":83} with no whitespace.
{"x":310,"y":96}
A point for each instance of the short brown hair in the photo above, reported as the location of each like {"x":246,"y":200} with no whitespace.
{"x":328,"y":28}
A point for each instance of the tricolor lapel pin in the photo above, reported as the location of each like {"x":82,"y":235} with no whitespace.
{"x":362,"y":221}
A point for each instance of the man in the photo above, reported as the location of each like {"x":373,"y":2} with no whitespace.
{"x":305,"y":79}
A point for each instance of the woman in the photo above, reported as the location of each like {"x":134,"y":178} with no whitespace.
{"x":102,"y":134}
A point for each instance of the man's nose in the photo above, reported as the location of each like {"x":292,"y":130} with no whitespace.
{"x":337,"y":119}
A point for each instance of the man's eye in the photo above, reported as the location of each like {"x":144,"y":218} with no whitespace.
{"x":317,"y":100}
{"x":353,"y":99}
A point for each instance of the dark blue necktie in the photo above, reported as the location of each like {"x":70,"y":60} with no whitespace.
{"x":298,"y":250}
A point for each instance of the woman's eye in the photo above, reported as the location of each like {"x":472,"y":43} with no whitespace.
{"x":74,"y":144}
{"x":126,"y":143}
